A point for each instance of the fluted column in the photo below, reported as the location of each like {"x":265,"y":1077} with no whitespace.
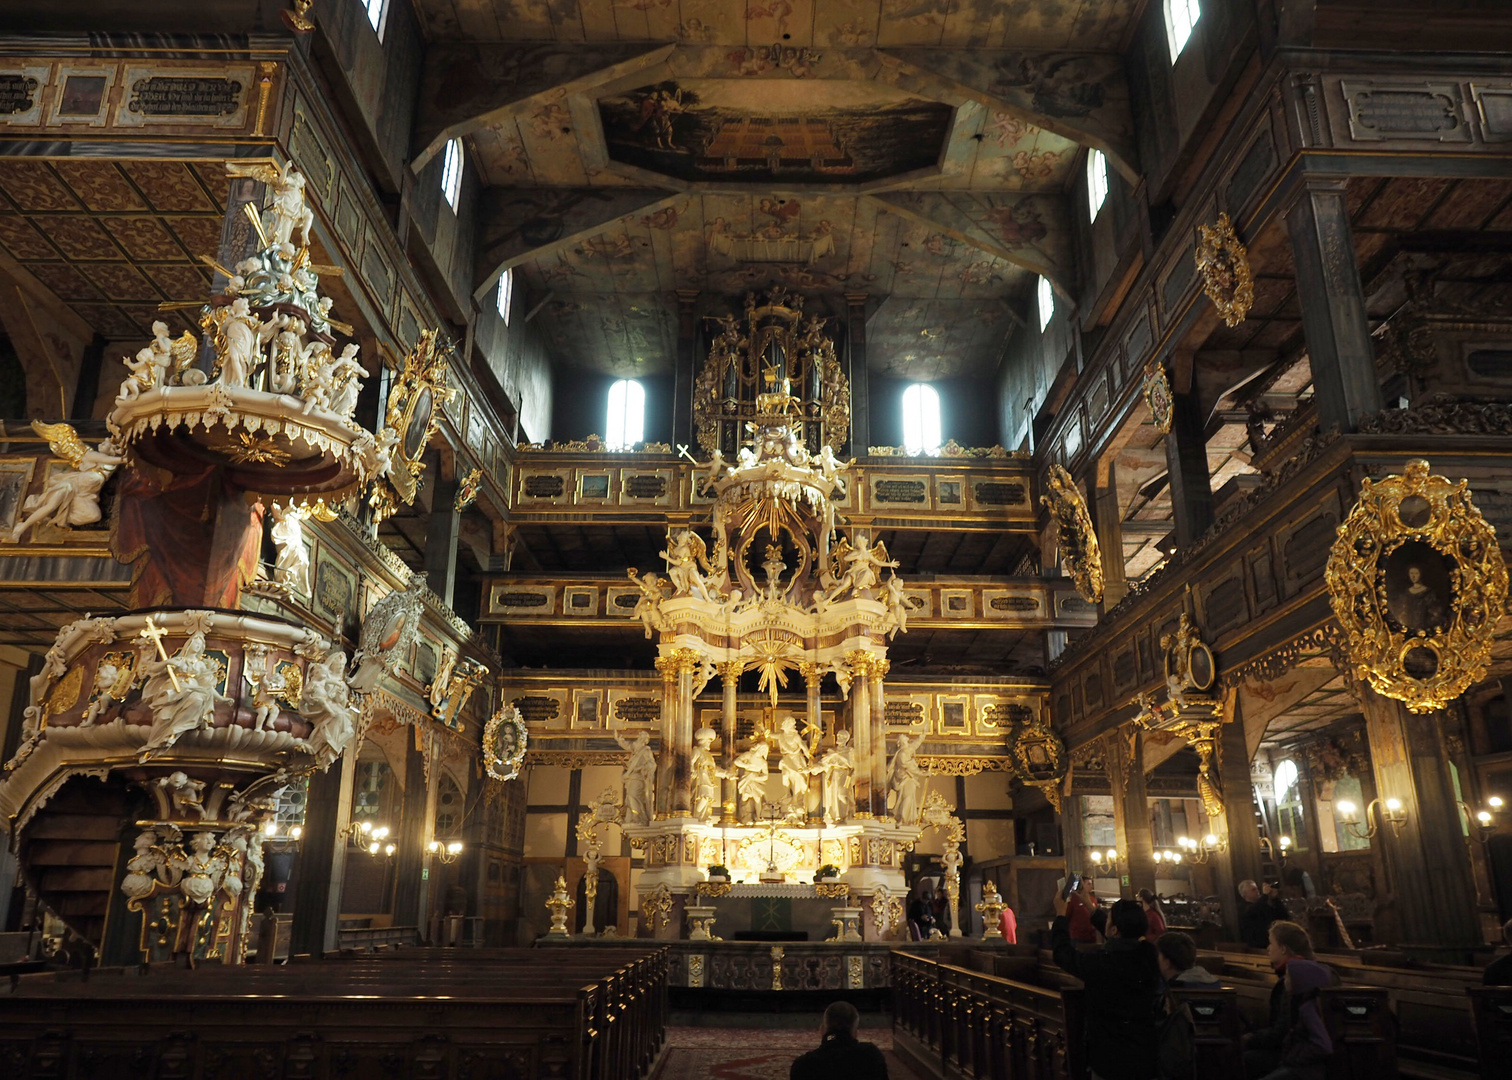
{"x":687,"y":661}
{"x":877,"y":672}
{"x":667,"y":665}
{"x":813,"y":677}
{"x":729,"y":676}
{"x":861,"y":729}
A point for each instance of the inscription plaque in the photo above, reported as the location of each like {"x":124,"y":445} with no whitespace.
{"x":167,"y":95}
{"x":537,"y":709}
{"x":646,"y":486}
{"x":904,"y":713}
{"x":544,"y":487}
{"x":1013,"y":603}
{"x":637,"y":710}
{"x":899,"y":491}
{"x":524,"y":599}
{"x":18,"y":93}
{"x":1428,"y":111}
{"x":998,"y":494}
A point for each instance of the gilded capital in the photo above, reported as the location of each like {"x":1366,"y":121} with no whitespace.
{"x":880,"y":666}
{"x":860,"y":662}
{"x":686,"y":661}
{"x":730,"y":669}
{"x":811,"y":672}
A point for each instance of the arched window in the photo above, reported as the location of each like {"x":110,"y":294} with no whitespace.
{"x":626,"y":424}
{"x":1180,"y":17}
{"x":1289,"y":815}
{"x":1097,"y":182}
{"x":451,"y":173}
{"x":921,"y":419}
{"x":1046,"y":296}
{"x":505,"y":294}
{"x":376,"y":9}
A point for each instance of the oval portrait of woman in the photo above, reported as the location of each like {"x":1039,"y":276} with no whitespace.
{"x":1419,"y":596}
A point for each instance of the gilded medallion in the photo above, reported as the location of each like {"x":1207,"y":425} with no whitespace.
{"x":1418,"y":584}
{"x":1037,"y":757}
{"x":1157,"y":395}
{"x":504,"y":741}
{"x":1224,"y":265}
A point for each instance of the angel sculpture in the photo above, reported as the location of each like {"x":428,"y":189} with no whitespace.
{"x":186,"y":796}
{"x":897,"y":603}
{"x":326,"y":703}
{"x":182,"y":693}
{"x":71,"y":498}
{"x":201,"y":871}
{"x":239,"y":340}
{"x":639,"y":778}
{"x":375,"y":454}
{"x":685,"y":553}
{"x":291,"y":568}
{"x":346,"y":375}
{"x":286,"y":366}
{"x":905,"y":781}
{"x":861,"y":566}
{"x":266,"y":707}
{"x":286,"y":212}
{"x":107,"y":690}
{"x":648,"y":607}
{"x":144,"y":868}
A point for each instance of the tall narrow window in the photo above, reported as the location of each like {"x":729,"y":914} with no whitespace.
{"x":451,"y":173}
{"x":1046,"y":298}
{"x":1180,"y":16}
{"x":626,"y":424}
{"x":376,"y":9}
{"x":1097,"y":181}
{"x":921,"y":419}
{"x":505,"y":294}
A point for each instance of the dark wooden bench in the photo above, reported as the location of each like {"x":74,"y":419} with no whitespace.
{"x":1491,"y":1007}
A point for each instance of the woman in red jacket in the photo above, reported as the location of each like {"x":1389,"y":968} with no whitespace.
{"x":1079,"y":907}
{"x":1151,"y":904}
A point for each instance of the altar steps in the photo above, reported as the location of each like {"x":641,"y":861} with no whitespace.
{"x":70,"y":849}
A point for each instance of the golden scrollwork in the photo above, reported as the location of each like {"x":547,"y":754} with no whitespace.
{"x":1417,"y":583}
{"x":504,"y":742}
{"x":467,"y":490}
{"x":712,"y":888}
{"x":1038,"y":758}
{"x":414,"y":403}
{"x":1224,"y":266}
{"x":656,"y":906}
{"x":1078,"y":540}
{"x":1157,"y":395}
{"x":832,"y":890}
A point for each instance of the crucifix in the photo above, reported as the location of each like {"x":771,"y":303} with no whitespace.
{"x":154,"y":633}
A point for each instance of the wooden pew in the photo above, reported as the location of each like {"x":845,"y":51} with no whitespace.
{"x":1492,"y":1008}
{"x":1217,"y":1028}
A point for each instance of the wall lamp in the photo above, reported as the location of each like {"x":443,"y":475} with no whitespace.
{"x":1377,"y":813}
{"x":371,"y":838}
{"x":1105,"y":860}
{"x":447,"y":853}
{"x":1200,"y":851}
{"x":1276,"y":849}
{"x":1484,"y":821}
{"x":1166,"y":856}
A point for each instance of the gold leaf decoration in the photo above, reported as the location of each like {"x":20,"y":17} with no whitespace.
{"x":1224,"y":265}
{"x":1078,"y":540}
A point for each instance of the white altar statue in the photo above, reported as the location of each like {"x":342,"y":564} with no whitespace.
{"x":182,"y":694}
{"x":838,"y":766}
{"x":706,"y":776}
{"x":326,"y":702}
{"x":347,"y":374}
{"x":905,"y":782}
{"x":639,"y":778}
{"x":286,"y":212}
{"x":684,"y":553}
{"x":291,"y":568}
{"x":794,"y":765}
{"x":752,"y":783}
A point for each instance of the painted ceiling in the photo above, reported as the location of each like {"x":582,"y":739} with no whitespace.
{"x":936,"y":181}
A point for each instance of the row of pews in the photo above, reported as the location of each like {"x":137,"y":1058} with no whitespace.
{"x":478,"y":1014}
{"x":1012,"y":1015}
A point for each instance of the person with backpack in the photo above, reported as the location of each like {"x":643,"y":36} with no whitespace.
{"x":1125,"y":1001}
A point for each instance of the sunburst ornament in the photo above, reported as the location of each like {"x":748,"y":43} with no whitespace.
{"x":252,"y":449}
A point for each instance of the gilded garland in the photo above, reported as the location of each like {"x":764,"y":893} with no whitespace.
{"x":1078,"y":540}
{"x":1417,"y":583}
{"x":1157,"y":395}
{"x":1225,"y":269}
{"x":504,"y":742}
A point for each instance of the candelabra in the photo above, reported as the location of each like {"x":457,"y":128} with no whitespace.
{"x":370,"y":838}
{"x":1277,"y":850}
{"x":1165,"y":855}
{"x":1105,"y":860}
{"x":1483,"y":821}
{"x":1377,"y":813}
{"x":447,"y":853}
{"x":272,"y":839}
{"x":1200,"y":851}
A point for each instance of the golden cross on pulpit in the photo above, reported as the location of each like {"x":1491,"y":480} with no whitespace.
{"x":154,"y":633}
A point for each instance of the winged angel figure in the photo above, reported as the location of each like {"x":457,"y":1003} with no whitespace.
{"x":287,"y":212}
{"x":70,"y":498}
{"x":685,"y":553}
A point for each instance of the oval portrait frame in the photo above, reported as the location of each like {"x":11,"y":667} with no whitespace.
{"x":499,"y":765}
{"x":1417,"y":582}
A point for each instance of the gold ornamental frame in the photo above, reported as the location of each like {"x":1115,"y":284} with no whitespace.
{"x":1079,"y":549}
{"x":1157,"y":395}
{"x":1223,"y":263}
{"x":414,"y":407}
{"x":1417,"y":582}
{"x":1038,"y":758}
{"x":499,"y":765}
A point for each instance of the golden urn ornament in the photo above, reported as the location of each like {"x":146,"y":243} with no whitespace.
{"x":559,"y":903}
{"x":991,"y":910}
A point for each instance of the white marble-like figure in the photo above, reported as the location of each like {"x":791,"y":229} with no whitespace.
{"x":239,"y":341}
{"x":186,"y":796}
{"x":706,"y":776}
{"x":347,"y":375}
{"x":648,"y":607}
{"x":794,"y":763}
{"x":684,"y":552}
{"x":319,"y":387}
{"x":375,"y":454}
{"x":291,"y":568}
{"x":144,"y":374}
{"x":188,"y":706}
{"x":106,"y":674}
{"x":751,"y":787}
{"x":70,"y":498}
{"x":897,"y":603}
{"x":838,"y":766}
{"x":905,"y":781}
{"x":862,"y":564}
{"x":639,"y":778}
{"x":286,"y":365}
{"x":265,"y":703}
{"x":326,"y":702}
{"x":286,"y":213}
{"x":201,"y":871}
{"x":231,"y":870}
{"x":143,"y":869}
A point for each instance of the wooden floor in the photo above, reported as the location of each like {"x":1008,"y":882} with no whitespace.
{"x":752,"y":1053}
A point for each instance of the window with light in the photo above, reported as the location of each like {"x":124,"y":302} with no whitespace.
{"x":626,"y":424}
{"x":921,"y":419}
{"x":451,"y":173}
{"x":1097,"y":182}
{"x":505,"y":294}
{"x":375,"y":12}
{"x":1289,"y":814}
{"x":1180,"y":16}
{"x":1046,"y":297}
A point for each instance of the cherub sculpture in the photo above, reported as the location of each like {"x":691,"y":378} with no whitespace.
{"x":286,"y":212}
{"x":648,"y":607}
{"x":70,"y":498}
{"x":186,"y":796}
{"x":145,"y":868}
{"x":182,"y":694}
{"x":326,"y":702}
{"x":265,"y":704}
{"x":685,"y":553}
{"x":897,"y":603}
{"x":106,"y":690}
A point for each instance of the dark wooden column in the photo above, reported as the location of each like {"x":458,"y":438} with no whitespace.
{"x":1333,"y":306}
{"x":441,"y":540}
{"x":1242,"y":861}
{"x":1131,"y":816}
{"x":409,"y":860}
{"x":1427,"y":860}
{"x":1108,"y":518}
{"x":322,"y":861}
{"x":684,"y":372}
{"x":855,"y":351}
{"x":1187,"y":465}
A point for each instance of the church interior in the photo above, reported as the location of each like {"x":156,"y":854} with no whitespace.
{"x":555,"y":538}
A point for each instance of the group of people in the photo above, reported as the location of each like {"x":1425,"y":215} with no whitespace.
{"x":1136,"y":1031}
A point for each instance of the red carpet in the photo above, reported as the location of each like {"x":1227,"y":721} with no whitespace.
{"x":752,"y":1053}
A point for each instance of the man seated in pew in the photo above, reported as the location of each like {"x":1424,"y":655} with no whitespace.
{"x":1280,"y":1045}
{"x":1260,"y":908}
{"x":1177,"y":955}
{"x":1499,"y":971}
{"x":1125,"y":999}
{"x":840,"y":1056}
